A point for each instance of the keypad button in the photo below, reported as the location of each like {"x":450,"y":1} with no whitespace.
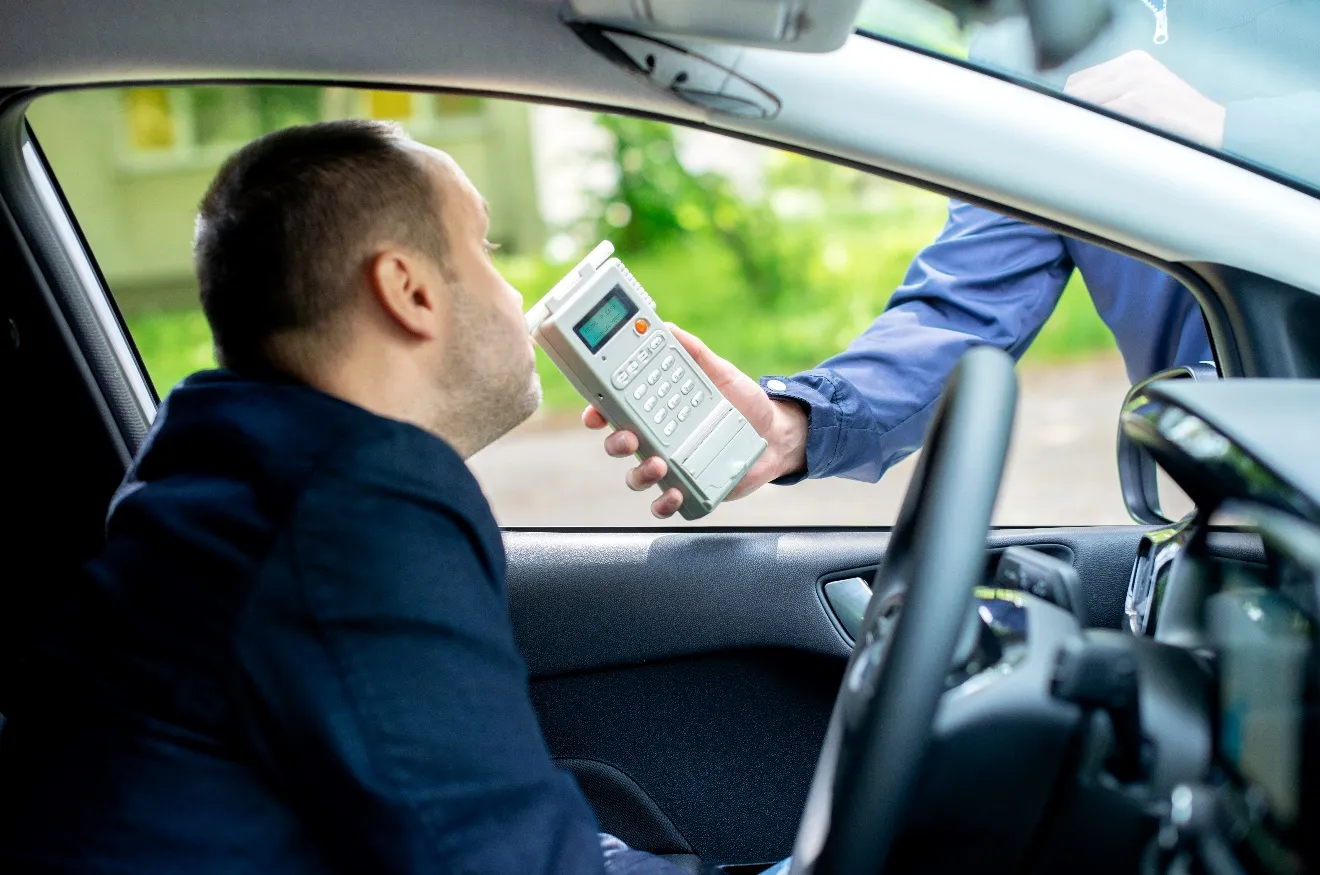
{"x":649,"y":405}
{"x":633,"y":368}
{"x":663,"y":390}
{"x":678,"y":373}
{"x":673,"y":401}
{"x":639,"y":391}
{"x":669,"y":427}
{"x":683,"y":414}
{"x":643,"y":356}
{"x":656,"y":342}
{"x":652,"y":377}
{"x":687,"y":387}
{"x":698,"y":398}
{"x":668,"y":362}
{"x":621,"y":378}
{"x":659,"y":416}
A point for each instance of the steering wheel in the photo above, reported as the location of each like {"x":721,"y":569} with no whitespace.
{"x":920,"y":606}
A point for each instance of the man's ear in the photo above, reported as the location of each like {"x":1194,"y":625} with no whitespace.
{"x":407,"y":291}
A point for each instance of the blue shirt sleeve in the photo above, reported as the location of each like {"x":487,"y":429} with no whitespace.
{"x":986,"y":280}
{"x":386,"y":695}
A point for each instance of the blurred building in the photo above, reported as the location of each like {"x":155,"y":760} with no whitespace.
{"x":135,"y":192}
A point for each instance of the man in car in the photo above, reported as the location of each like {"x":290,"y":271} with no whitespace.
{"x":986,"y":279}
{"x":294,"y":654}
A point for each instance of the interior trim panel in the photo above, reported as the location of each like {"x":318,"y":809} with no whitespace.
{"x":624,"y":597}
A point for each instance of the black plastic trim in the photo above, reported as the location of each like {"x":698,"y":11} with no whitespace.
{"x":1276,"y":326}
{"x":585,"y":601}
{"x":86,"y":336}
{"x":73,"y":319}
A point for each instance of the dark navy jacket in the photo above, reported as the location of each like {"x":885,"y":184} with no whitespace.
{"x":294,"y":656}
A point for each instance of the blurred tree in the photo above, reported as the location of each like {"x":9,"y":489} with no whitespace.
{"x":656,"y":202}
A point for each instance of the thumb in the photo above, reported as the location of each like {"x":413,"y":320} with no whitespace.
{"x":741,"y":390}
{"x":719,"y":370}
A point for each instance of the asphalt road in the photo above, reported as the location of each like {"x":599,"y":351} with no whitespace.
{"x":553,"y":472}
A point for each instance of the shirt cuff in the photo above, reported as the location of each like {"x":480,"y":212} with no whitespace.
{"x":822,"y":432}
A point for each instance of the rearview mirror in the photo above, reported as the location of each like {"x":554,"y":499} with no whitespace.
{"x":1152,"y":498}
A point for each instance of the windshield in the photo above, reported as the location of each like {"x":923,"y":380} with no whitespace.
{"x":1241,"y":77}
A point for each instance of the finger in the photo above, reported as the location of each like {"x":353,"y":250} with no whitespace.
{"x":701,"y":354}
{"x":1101,"y":91}
{"x":744,"y":488}
{"x":1112,"y":80}
{"x":667,"y":505}
{"x":723,"y":374}
{"x":760,"y":474}
{"x":1123,"y":65}
{"x":1107,"y":98}
{"x":1104,"y":79}
{"x":621,"y":444}
{"x":751,"y":481}
{"x":593,"y":418}
{"x":1133,"y":106}
{"x":646,"y":475}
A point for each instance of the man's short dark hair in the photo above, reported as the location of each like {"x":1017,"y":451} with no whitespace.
{"x":287,"y":226}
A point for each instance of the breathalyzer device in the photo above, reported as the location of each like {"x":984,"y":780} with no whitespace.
{"x":599,"y":326}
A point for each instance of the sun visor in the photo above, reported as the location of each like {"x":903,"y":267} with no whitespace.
{"x":795,"y":25}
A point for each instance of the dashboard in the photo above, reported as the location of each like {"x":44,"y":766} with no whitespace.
{"x":1246,"y":452}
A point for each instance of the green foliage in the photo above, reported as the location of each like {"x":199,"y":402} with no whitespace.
{"x":704,"y":290}
{"x":173,"y":344}
{"x":657,"y":203}
{"x":775,"y":282}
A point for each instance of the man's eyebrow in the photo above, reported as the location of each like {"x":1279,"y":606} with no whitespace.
{"x":485,"y":205}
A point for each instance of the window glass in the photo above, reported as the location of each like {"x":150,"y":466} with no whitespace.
{"x":279,"y":106}
{"x":1238,"y":76}
{"x":223,"y":115}
{"x":150,"y":119}
{"x":393,"y":105}
{"x":457,"y":104}
{"x":776,"y":260}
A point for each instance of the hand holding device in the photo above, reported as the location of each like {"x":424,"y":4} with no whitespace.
{"x":599,"y":326}
{"x":783,"y":424}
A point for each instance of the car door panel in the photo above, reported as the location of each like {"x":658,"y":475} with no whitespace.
{"x":723,"y":745}
{"x":585,"y":600}
{"x":686,"y":677}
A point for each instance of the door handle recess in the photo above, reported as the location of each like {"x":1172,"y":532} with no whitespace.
{"x":848,"y":600}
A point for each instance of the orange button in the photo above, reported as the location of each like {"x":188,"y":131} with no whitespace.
{"x":640,"y":326}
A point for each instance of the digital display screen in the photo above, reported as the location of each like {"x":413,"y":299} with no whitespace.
{"x":604,"y":320}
